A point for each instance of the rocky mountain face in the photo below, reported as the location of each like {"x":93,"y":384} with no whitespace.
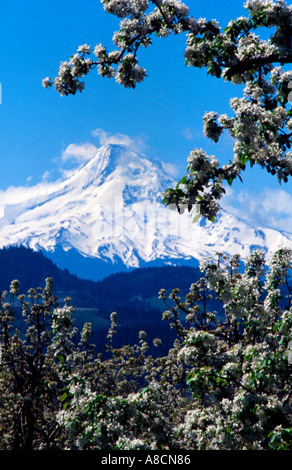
{"x":107,"y":216}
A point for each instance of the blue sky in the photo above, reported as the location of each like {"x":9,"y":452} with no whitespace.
{"x":164,"y":112}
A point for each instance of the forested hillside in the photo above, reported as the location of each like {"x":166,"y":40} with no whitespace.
{"x":133,"y":295}
{"x":166,"y":359}
{"x":31,"y":269}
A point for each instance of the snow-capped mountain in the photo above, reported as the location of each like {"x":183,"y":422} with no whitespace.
{"x":109,"y":210}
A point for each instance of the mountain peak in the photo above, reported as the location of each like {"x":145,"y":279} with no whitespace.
{"x":110,"y":209}
{"x":113,"y":161}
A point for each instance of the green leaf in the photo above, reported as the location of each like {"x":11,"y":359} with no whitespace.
{"x":282,"y":99}
{"x":240,"y":178}
{"x":184,"y":180}
{"x":228,"y":429}
{"x":145,"y":390}
{"x":61,"y":358}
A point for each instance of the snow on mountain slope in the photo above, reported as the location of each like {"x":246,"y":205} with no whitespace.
{"x":110,"y":209}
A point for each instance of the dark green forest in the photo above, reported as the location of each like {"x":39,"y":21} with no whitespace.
{"x":133,"y":295}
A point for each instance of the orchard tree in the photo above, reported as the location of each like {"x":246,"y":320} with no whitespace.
{"x":260,"y":122}
{"x":224,"y":385}
{"x":37,"y":355}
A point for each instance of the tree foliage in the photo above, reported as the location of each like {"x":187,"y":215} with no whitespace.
{"x":223,"y":385}
{"x":37,"y":354}
{"x":260,"y":122}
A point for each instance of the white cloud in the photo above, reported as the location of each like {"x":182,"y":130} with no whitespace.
{"x":268,"y":208}
{"x":172,"y":169}
{"x":79,"y":152}
{"x":82,"y":152}
{"x":22,"y":194}
{"x":191,"y":133}
{"x":137,"y":144}
{"x":46,"y":176}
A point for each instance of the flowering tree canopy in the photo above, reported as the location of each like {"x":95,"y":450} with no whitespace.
{"x":237,"y":369}
{"x":261,"y":120}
